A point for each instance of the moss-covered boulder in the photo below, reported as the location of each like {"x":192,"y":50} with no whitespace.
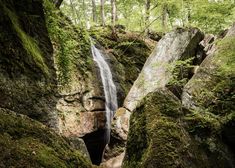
{"x":211,"y":91}
{"x":27,"y":143}
{"x":212,"y":87}
{"x":162,"y":134}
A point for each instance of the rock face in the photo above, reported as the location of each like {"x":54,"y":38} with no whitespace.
{"x":81,"y":100}
{"x":157,"y":71}
{"x":166,"y":131}
{"x":211,"y":90}
{"x":27,"y":74}
{"x":215,"y":76}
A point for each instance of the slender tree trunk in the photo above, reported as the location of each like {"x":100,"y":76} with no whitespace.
{"x":102,"y":12}
{"x":114,"y":12}
{"x":58,"y":3}
{"x":113,"y":19}
{"x":73,"y":11}
{"x":94,"y":16}
{"x":164,"y":17}
{"x":85,"y":15}
{"x":147,"y":15}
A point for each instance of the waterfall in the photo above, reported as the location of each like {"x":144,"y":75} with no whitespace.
{"x":110,"y":91}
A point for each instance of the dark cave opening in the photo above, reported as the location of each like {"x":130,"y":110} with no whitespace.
{"x":95,"y":143}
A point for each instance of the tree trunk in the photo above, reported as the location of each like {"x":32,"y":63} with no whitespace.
{"x":102,"y":12}
{"x":164,"y":17}
{"x":73,"y":11}
{"x":58,"y":3}
{"x":114,"y":12}
{"x":94,"y":16}
{"x":147,"y":15}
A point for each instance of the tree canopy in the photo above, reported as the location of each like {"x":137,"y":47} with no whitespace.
{"x":212,"y":16}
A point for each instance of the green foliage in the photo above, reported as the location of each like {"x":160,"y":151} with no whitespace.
{"x":71,"y":44}
{"x":212,"y":17}
{"x":180,"y":71}
{"x":29,"y":44}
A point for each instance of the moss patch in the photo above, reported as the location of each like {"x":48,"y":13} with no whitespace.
{"x":27,"y":143}
{"x":71,"y":45}
{"x":156,"y":136}
{"x":28,"y":42}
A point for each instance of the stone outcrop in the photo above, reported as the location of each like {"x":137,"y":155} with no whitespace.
{"x":29,"y":86}
{"x":157,"y":72}
{"x":214,"y":74}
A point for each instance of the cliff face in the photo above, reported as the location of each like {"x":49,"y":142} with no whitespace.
{"x":28,"y":80}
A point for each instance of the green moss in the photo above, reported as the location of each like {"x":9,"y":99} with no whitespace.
{"x":71,"y":45}
{"x":163,"y":134}
{"x":213,"y":86}
{"x":27,"y":143}
{"x":202,"y":124}
{"x":156,"y":137}
{"x":29,"y":44}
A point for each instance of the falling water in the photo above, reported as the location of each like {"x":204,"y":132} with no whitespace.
{"x":108,"y":85}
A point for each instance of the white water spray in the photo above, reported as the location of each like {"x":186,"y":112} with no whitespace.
{"x":110,"y":91}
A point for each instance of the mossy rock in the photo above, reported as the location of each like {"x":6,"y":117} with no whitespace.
{"x":156,"y":137}
{"x":27,"y":143}
{"x":163,"y":134}
{"x":27,"y":74}
{"x":71,"y":45}
{"x":212,"y":87}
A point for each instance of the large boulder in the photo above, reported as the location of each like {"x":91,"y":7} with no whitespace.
{"x":212,"y":87}
{"x":163,"y":134}
{"x":157,"y":72}
{"x":27,"y":143}
{"x":180,"y":44}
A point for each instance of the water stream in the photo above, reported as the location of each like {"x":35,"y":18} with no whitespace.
{"x":109,"y":87}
